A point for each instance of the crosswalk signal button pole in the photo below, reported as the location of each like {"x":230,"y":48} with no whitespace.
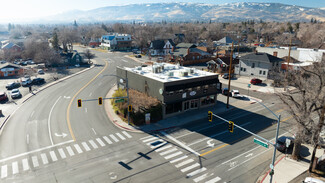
{"x":231,"y":126}
{"x":210,"y":116}
{"x":100,"y":101}
{"x":130,"y":108}
{"x":79,"y":102}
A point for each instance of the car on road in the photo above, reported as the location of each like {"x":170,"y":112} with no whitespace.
{"x":12,"y":85}
{"x":3,"y":97}
{"x":281,"y":143}
{"x":138,"y":56}
{"x":235,"y":94}
{"x":38,"y":81}
{"x":225,"y":91}
{"x":15,"y":93}
{"x":226,"y":76}
{"x":255,"y":81}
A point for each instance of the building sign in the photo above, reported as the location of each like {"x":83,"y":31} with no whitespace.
{"x":193,"y":93}
{"x":7,"y":69}
{"x":184,"y":95}
{"x":147,"y":116}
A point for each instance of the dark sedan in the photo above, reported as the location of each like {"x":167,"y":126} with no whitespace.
{"x":12,"y":85}
{"x":281,"y":143}
{"x":38,"y":81}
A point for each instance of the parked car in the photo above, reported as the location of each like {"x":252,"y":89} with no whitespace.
{"x":23,"y":63}
{"x":255,"y":81}
{"x":235,"y":94}
{"x":17,"y":62}
{"x":138,"y":56}
{"x":3,"y":62}
{"x":38,"y":81}
{"x":226,"y":76}
{"x":312,"y":180}
{"x":160,"y":58}
{"x":281,"y":143}
{"x":40,"y":71}
{"x":26,"y":81}
{"x":15,"y":93}
{"x":3,"y":97}
{"x":12,"y":85}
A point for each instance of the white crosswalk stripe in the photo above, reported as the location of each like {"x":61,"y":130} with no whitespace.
{"x":174,"y":154}
{"x":121,"y":137}
{"x":163,"y":148}
{"x":4,"y":171}
{"x":62,"y":154}
{"x":77,"y":147}
{"x":190,"y":167}
{"x":178,"y":159}
{"x":150,"y":139}
{"x":146,"y":137}
{"x":100,"y":142}
{"x":35,"y":161}
{"x":114,"y":138}
{"x":168,"y":151}
{"x":184,"y":163}
{"x":70,"y":151}
{"x":214,"y":180}
{"x":53,"y":156}
{"x":93,"y":144}
{"x":15,"y":168}
{"x":202,"y":177}
{"x":127,"y":134}
{"x":107,"y":140}
{"x":25,"y":164}
{"x":44,"y":158}
{"x":196,"y":172}
{"x":85,"y":146}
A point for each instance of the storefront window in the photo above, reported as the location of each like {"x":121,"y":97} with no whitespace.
{"x":172,"y":108}
{"x":208,"y":100}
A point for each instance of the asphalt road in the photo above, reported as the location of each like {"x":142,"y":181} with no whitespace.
{"x":50,"y":139}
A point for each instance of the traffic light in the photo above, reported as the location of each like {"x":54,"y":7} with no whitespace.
{"x":231,"y":126}
{"x":130,"y":108}
{"x":79,"y":102}
{"x":210,"y":116}
{"x":100,"y":101}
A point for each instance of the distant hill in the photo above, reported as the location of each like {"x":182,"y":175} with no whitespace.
{"x":230,"y":12}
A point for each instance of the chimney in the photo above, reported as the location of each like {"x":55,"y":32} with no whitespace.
{"x":275,"y":53}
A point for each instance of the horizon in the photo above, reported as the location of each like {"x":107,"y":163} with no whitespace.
{"x":32,"y":10}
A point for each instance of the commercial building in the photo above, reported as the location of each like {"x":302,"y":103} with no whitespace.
{"x":179,"y":88}
{"x":116,"y":41}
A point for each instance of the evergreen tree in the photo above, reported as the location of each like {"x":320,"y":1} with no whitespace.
{"x":55,"y":41}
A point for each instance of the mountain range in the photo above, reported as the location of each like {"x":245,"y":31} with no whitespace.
{"x":187,"y":12}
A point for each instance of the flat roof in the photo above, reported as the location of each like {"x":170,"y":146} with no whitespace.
{"x":165,"y":72}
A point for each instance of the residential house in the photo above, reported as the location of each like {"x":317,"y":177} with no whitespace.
{"x":116,"y":41}
{"x":72,"y":58}
{"x":161,"y":47}
{"x":223,"y":64}
{"x":94,"y":43}
{"x":257,"y":64}
{"x":226,"y":41}
{"x":11,"y":47}
{"x":188,"y":53}
{"x":10,"y":70}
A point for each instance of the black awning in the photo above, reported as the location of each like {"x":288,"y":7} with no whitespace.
{"x":191,"y":85}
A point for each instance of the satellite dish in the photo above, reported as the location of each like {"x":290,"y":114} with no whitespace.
{"x":161,"y":91}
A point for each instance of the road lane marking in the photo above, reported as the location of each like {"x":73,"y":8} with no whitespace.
{"x":121,"y":137}
{"x":100,"y":142}
{"x":35,"y":161}
{"x":248,"y":159}
{"x":184,"y":163}
{"x":90,"y":94}
{"x":27,"y":138}
{"x":107,"y":140}
{"x":70,"y":151}
{"x":93,"y":144}
{"x":114,"y":138}
{"x":127,"y":134}
{"x":84,"y":144}
{"x":168,"y":151}
{"x":4,"y":171}
{"x":31,"y":115}
{"x":190,"y":167}
{"x":77,"y":147}
{"x":178,"y":159}
{"x":15,"y":168}
{"x":124,"y":61}
{"x":150,"y":139}
{"x":163,"y":148}
{"x":214,"y":180}
{"x":74,"y":97}
{"x":86,"y":110}
{"x":173,"y":155}
{"x":241,"y":155}
{"x":62,"y":154}
{"x":49,"y":120}
{"x":94,"y":131}
{"x":44,"y":159}
{"x":214,"y":149}
{"x":25,"y":164}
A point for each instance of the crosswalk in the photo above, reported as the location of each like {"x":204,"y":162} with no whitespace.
{"x":184,"y":163}
{"x":36,"y":160}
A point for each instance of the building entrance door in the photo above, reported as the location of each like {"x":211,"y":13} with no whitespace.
{"x":194,"y":104}
{"x":186,"y":105}
{"x":5,"y":74}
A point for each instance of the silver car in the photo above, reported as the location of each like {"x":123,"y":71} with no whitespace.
{"x":15,"y":93}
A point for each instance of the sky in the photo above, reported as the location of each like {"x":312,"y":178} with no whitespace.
{"x":25,"y":10}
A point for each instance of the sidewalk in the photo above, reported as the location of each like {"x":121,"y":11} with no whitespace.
{"x":171,"y":122}
{"x":287,"y":169}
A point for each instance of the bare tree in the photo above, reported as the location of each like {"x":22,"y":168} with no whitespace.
{"x":89,"y":55}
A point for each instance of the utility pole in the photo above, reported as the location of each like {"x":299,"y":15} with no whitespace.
{"x":288,"y":61}
{"x":229,"y":76}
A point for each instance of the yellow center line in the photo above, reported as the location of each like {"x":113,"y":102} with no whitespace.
{"x":68,"y":110}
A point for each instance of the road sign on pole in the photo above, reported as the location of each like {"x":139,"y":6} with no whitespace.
{"x":119,"y":100}
{"x":261,"y":143}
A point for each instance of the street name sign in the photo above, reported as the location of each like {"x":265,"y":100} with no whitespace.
{"x":261,"y":143}
{"x":119,"y":100}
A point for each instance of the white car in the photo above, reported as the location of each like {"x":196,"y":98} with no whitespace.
{"x":26,"y":81}
{"x":15,"y":93}
{"x":40,"y":71}
{"x":312,"y":180}
{"x":235,"y":94}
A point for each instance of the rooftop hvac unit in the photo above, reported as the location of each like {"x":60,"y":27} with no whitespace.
{"x":139,"y":68}
{"x":192,"y":71}
{"x":170,"y":74}
{"x":185,"y":74}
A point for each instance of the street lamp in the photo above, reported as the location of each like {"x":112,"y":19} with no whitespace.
{"x":276,"y":138}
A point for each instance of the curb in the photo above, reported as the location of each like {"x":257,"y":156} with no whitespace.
{"x":270,"y":169}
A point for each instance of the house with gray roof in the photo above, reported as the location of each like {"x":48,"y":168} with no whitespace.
{"x":188,"y":53}
{"x":257,"y":65}
{"x":224,"y":41}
